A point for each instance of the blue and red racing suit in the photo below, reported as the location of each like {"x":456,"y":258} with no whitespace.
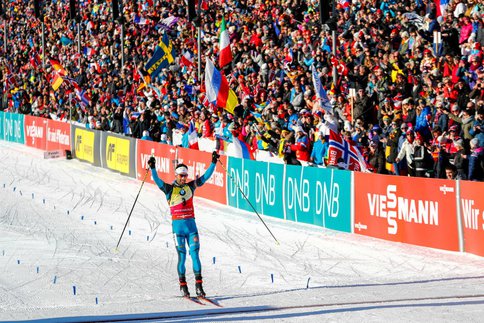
{"x":180,"y":200}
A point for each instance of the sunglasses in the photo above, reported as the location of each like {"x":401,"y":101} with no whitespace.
{"x":183,"y":175}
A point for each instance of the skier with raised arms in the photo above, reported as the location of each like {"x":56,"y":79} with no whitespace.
{"x":179,"y":195}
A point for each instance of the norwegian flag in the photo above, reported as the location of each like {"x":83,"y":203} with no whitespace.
{"x":35,"y":60}
{"x":187,"y":59}
{"x":343,"y":154}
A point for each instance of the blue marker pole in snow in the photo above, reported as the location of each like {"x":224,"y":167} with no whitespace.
{"x":97,"y":302}
{"x":32,"y":196}
{"x":213,"y":260}
{"x":272,"y":278}
{"x":14,"y":188}
{"x":240,"y":270}
{"x":307,"y":284}
{"x":55,"y":280}
{"x":37,"y":269}
{"x":43,"y":200}
{"x":74,"y":290}
{"x":18,"y":261}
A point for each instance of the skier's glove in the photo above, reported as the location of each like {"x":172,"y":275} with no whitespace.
{"x":152,"y":162}
{"x":215,"y":157}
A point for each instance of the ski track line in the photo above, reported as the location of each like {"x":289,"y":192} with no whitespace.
{"x":212,"y":312}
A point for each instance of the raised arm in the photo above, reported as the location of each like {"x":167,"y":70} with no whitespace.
{"x":202,"y":179}
{"x":158,"y":181}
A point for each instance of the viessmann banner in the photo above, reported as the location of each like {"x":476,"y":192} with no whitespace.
{"x":118,"y":153}
{"x":472,"y":215}
{"x":418,"y":211}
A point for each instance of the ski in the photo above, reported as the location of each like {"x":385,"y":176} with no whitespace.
{"x":209,"y":301}
{"x":194,"y":300}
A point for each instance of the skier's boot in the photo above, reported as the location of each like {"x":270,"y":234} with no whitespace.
{"x":184,"y":288}
{"x":198,"y":286}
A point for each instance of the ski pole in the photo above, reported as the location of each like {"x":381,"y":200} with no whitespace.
{"x":247,"y":199}
{"x":132,"y":208}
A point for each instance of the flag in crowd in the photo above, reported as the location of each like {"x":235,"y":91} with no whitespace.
{"x":163,"y":56}
{"x":240,"y":149}
{"x":225,"y":55}
{"x":343,"y":154}
{"x":137,"y":19}
{"x":217,"y":88}
{"x":192,"y":136}
{"x":320,"y":91}
{"x":187,"y":59}
{"x":58,"y":67}
{"x":441,"y":6}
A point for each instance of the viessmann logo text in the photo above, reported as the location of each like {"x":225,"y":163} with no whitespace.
{"x":396,"y":208}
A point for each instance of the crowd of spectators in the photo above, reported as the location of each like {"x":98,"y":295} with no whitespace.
{"x":418,"y":107}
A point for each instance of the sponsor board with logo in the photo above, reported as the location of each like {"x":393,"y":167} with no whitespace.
{"x":471,"y":206}
{"x":35,"y":132}
{"x":418,"y":211}
{"x":58,"y":135}
{"x":13,"y":127}
{"x":2,"y":123}
{"x":167,"y":157}
{"x":54,"y":154}
{"x":118,"y":153}
{"x":309,"y":194}
{"x":85,"y":144}
{"x":260,"y":182}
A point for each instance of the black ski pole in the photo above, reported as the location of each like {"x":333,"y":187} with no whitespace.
{"x":245,"y":197}
{"x":132,"y":208}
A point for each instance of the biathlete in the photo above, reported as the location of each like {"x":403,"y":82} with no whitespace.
{"x":179,"y":195}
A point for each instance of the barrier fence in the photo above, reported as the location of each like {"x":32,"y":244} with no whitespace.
{"x":434,"y":213}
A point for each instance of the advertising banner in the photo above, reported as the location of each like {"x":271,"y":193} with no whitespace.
{"x":261,"y":184}
{"x":58,"y":135}
{"x":197,"y":161}
{"x":35,"y":132}
{"x":419,"y":211}
{"x":14,"y":128}
{"x":319,"y":196}
{"x":2,"y":125}
{"x":118,"y":153}
{"x":165,"y":156}
{"x":472,"y":216}
{"x":86,"y":144}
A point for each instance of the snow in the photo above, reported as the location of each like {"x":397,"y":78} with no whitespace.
{"x":60,"y":221}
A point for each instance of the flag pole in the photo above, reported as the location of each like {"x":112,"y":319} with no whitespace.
{"x":43,"y":45}
{"x":199,"y":36}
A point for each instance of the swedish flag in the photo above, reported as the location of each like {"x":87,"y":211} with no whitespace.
{"x":163,"y":56}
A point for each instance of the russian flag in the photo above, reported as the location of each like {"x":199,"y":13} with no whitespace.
{"x":217,"y":89}
{"x":240,"y":149}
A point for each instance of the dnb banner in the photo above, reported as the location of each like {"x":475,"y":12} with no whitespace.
{"x":418,"y":211}
{"x":309,"y":194}
{"x":472,"y":215}
{"x":12,"y":127}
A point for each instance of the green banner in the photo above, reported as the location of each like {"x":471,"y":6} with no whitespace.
{"x":13,"y":127}
{"x":2,"y":123}
{"x":318,"y":196}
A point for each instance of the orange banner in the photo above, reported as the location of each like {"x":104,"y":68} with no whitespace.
{"x":472,"y":215}
{"x":35,"y":132}
{"x":58,"y":135}
{"x":197,"y":161}
{"x":418,"y":211}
